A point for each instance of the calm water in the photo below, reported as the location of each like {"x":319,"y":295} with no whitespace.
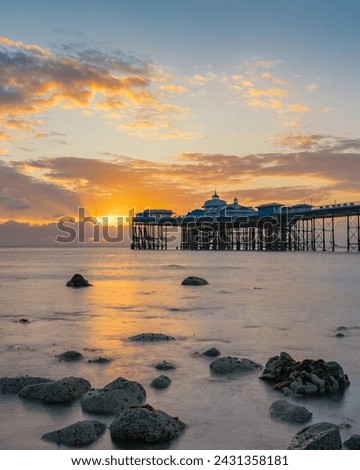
{"x":256,"y":305}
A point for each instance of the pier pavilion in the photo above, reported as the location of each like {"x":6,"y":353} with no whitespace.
{"x":218,"y":225}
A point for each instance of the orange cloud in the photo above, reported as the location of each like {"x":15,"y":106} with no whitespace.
{"x":299,"y":108}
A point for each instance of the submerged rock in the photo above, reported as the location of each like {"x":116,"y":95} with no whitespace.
{"x":194,"y":281}
{"x":286,"y":411}
{"x":15,"y":384}
{"x":144,"y":424}
{"x":100,"y":360}
{"x":164,"y":365}
{"x":308,"y":377}
{"x":148,"y":337}
{"x":70,"y":356}
{"x":114,"y":397}
{"x":161,"y":382}
{"x":229,"y":365}
{"x":320,"y":436}
{"x":353,"y":443}
{"x":58,"y":391}
{"x":78,"y":281}
{"x":78,"y":434}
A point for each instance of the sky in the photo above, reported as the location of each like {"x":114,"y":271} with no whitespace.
{"x":120,"y":105}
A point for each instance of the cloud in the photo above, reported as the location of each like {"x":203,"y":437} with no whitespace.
{"x":299,"y":108}
{"x":34,"y":80}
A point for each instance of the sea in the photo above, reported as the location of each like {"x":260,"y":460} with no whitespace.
{"x":256,"y":305}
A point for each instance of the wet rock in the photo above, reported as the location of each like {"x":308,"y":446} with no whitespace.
{"x":161,"y":382}
{"x":320,"y":436}
{"x":78,"y":281}
{"x":144,"y":424}
{"x":212,"y":352}
{"x":15,"y":384}
{"x":70,"y":356}
{"x":308,"y":377}
{"x":114,"y":397}
{"x":194,"y":281}
{"x":58,"y":391}
{"x":164,"y":365}
{"x":353,"y":443}
{"x":341,"y":328}
{"x":78,"y":434}
{"x":229,"y":365}
{"x":286,"y":411}
{"x":100,"y":360}
{"x":339,"y":335}
{"x":24,"y":321}
{"x":148,"y":337}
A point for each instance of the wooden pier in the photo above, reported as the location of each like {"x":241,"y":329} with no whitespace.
{"x":287,"y":229}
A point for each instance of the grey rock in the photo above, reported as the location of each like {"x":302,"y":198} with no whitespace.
{"x":164,"y":365}
{"x":353,"y":443}
{"x":194,"y":281}
{"x":15,"y":384}
{"x":58,"y":391}
{"x":161,"y":382}
{"x":144,"y":424}
{"x":308,"y":377}
{"x":212,"y":352}
{"x":78,"y":434}
{"x":78,"y":281}
{"x":149,"y":337}
{"x":228,"y":365}
{"x":340,"y":335}
{"x":114,"y":397}
{"x":70,"y":356}
{"x":320,"y":436}
{"x":286,"y":411}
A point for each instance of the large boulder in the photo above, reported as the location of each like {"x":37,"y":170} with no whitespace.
{"x":286,"y":411}
{"x":78,"y":434}
{"x":144,"y":424}
{"x":307,"y":377}
{"x":151,"y":337}
{"x":58,"y":391}
{"x":194,"y":281}
{"x":230,"y":365}
{"x":78,"y":281}
{"x":15,"y":384}
{"x":114,"y":397}
{"x":353,"y":443}
{"x":320,"y":436}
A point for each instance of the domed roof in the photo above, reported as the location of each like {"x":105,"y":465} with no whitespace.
{"x":214,"y":203}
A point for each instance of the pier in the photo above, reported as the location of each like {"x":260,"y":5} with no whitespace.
{"x":269,"y":227}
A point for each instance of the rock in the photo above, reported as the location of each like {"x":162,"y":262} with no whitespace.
{"x":145,"y":337}
{"x":15,"y":384}
{"x":144,"y":424}
{"x":320,"y":436}
{"x":194,"y":281}
{"x":161,"y":382}
{"x":339,"y":335}
{"x":212,"y":352}
{"x":286,"y":411}
{"x":114,"y":397}
{"x":78,"y":434}
{"x":70,"y":356}
{"x":78,"y":281}
{"x":25,"y":321}
{"x":100,"y":360}
{"x":229,"y":365}
{"x":164,"y":365}
{"x":353,"y":443}
{"x":308,"y":377}
{"x":58,"y":391}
